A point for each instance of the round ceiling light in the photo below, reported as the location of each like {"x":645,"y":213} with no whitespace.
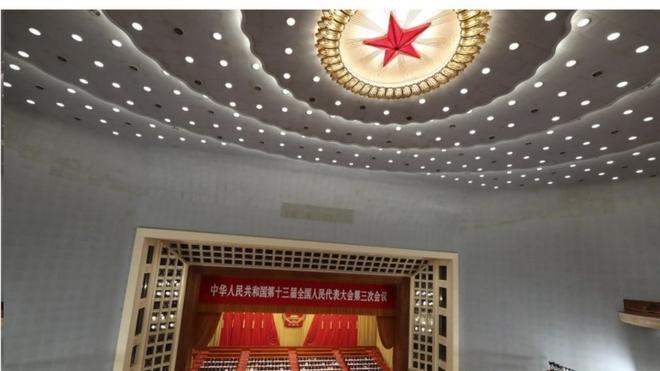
{"x":425,"y":56}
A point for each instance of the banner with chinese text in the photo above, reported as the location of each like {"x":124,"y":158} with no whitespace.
{"x":228,"y":290}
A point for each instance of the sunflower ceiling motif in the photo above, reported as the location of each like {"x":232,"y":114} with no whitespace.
{"x":398,"y":54}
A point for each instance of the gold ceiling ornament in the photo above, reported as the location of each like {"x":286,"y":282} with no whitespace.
{"x":351,"y":53}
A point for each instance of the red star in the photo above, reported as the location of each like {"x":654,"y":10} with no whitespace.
{"x":398,"y":40}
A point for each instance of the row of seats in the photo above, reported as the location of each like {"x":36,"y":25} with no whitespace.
{"x":311,"y":363}
{"x":361,"y":363}
{"x":219,"y":364}
{"x":268,"y":364}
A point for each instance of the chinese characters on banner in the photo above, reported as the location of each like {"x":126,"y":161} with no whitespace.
{"x":227,"y":290}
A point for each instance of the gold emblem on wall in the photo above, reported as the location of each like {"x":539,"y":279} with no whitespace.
{"x":293,"y":319}
{"x":398,"y":54}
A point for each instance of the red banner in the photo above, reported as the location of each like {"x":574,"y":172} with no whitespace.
{"x":228,"y":290}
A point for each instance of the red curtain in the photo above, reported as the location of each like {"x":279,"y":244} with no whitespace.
{"x":332,"y":330}
{"x":248,"y":329}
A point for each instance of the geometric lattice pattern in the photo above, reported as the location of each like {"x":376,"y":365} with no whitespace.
{"x":272,"y":258}
{"x":161,"y":332}
{"x":423,"y":325}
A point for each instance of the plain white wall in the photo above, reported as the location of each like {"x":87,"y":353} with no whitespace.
{"x":543,"y":272}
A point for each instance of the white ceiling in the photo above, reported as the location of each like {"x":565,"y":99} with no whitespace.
{"x":506,"y":131}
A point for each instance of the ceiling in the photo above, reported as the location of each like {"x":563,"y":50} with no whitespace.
{"x":515,"y":117}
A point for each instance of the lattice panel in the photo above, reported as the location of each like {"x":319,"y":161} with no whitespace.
{"x":291,"y":259}
{"x":164,"y":314}
{"x":422,"y":300}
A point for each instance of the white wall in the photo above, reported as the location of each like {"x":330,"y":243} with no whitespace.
{"x":542,"y":272}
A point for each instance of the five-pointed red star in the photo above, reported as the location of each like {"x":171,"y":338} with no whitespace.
{"x":397,"y":40}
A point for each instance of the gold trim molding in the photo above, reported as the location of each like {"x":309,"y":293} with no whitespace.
{"x":474,"y":27}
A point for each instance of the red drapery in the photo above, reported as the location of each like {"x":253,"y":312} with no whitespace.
{"x":248,"y":329}
{"x":334,"y":330}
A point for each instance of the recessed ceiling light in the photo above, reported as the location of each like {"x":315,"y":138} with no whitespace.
{"x":153,"y":126}
{"x":138,"y":135}
{"x":98,"y":64}
{"x":586,"y":143}
{"x":232,"y":104}
{"x":146,"y":88}
{"x":23,"y":54}
{"x":6,"y":84}
{"x":291,"y":21}
{"x":445,"y":109}
{"x":386,"y":112}
{"x":286,"y":75}
{"x":546,"y":148}
{"x":166,"y":73}
{"x":34,"y":31}
{"x":485,"y":70}
{"x":456,"y":144}
{"x":191,"y":122}
{"x":512,"y":102}
{"x":632,"y":138}
{"x":550,"y":132}
{"x":490,"y":118}
{"x":217,"y":35}
{"x":88,"y":107}
{"x":285,"y":91}
{"x":550,"y":16}
{"x":223,"y":63}
{"x":609,"y":162}
{"x":369,"y":137}
{"x":259,"y":106}
{"x":30,"y":101}
{"x":281,"y":144}
{"x":184,"y":108}
{"x":316,"y":79}
{"x":421,"y":101}
{"x":613,"y":36}
{"x":236,"y":114}
{"x":493,"y":148}
{"x":397,"y":128}
{"x":77,"y":37}
{"x":83,"y":81}
{"x":514,"y":46}
{"x":627,"y":112}
{"x":14,"y":67}
{"x":167,"y":120}
{"x":136,"y":26}
{"x":641,"y":49}
{"x":651,"y":158}
{"x":418,"y":133}
{"x":288,"y":51}
{"x":116,"y":85}
{"x":398,"y":152}
{"x":538,"y":84}
{"x":117,"y":43}
{"x":464,"y":91}
{"x":583,"y":22}
{"x":437,"y":139}
{"x":284,"y":109}
{"x":472,"y":132}
{"x":636,"y":153}
{"x":337,"y":103}
{"x":511,"y":124}
{"x":568,"y":137}
{"x":115,"y":109}
{"x":585,"y":102}
{"x":61,"y":105}
{"x":309,"y":112}
{"x":648,"y":119}
{"x":241,"y":140}
{"x":571,"y":63}
{"x":130,"y":102}
{"x":615,"y":178}
{"x":228,"y":85}
{"x":622,"y":84}
{"x":561,"y":94}
{"x":115,"y":133}
{"x":603,"y":148}
{"x":256,"y":66}
{"x":555,"y":118}
{"x":595,"y":126}
{"x":189,"y":59}
{"x":71,"y":90}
